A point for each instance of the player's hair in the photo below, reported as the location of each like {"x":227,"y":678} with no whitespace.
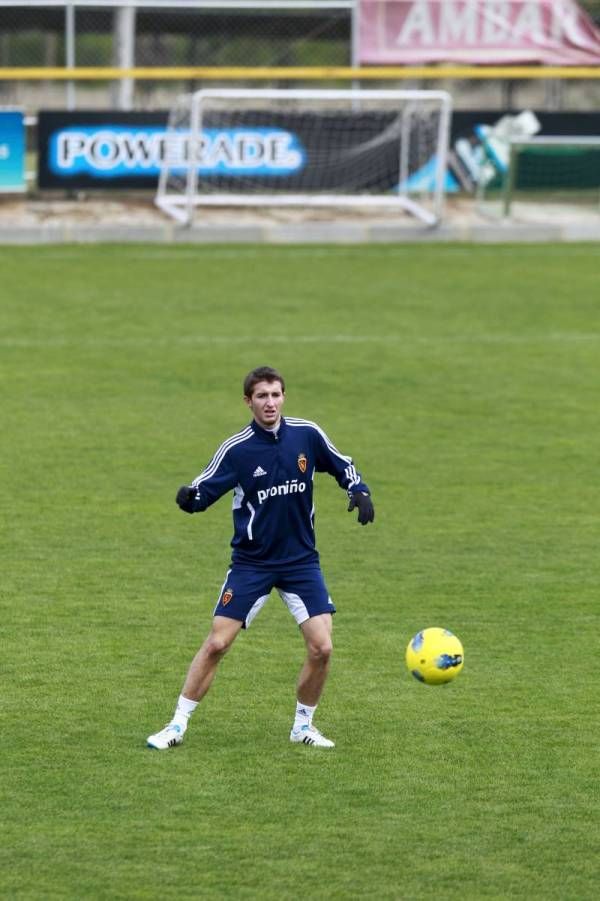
{"x":262,"y":374}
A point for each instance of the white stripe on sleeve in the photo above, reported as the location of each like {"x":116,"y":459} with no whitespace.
{"x":293,"y":421}
{"x":218,"y":457}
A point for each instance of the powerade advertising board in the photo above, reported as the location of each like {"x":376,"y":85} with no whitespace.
{"x":106,"y":150}
{"x":12,"y":151}
{"x":99,"y":150}
{"x":125,"y":150}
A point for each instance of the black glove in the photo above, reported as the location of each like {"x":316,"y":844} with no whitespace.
{"x":366,"y":511}
{"x":187,"y":499}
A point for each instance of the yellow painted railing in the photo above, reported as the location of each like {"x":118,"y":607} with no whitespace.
{"x":284,"y":73}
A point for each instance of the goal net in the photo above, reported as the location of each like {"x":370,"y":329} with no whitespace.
{"x":544,"y":175}
{"x":306,"y":147}
{"x":555,"y":169}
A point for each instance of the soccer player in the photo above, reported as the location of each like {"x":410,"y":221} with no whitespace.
{"x":269,"y":466}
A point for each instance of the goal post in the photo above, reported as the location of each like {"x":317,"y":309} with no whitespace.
{"x":360,"y":148}
{"x":557,"y":167}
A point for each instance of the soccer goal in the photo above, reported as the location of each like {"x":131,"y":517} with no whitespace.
{"x":362,"y":148}
{"x":564,"y":170}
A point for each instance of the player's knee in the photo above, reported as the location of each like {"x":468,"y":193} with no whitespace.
{"x":320,"y":650}
{"x":217,"y":645}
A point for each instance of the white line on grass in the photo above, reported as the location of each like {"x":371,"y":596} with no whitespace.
{"x":207,"y":340}
{"x":207,"y":252}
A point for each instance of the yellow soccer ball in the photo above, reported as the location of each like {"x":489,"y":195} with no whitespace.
{"x":435,"y":656}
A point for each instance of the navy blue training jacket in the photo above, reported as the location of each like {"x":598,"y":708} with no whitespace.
{"x":271,"y":476}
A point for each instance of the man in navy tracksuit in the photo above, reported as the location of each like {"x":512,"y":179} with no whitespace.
{"x":270,"y":467}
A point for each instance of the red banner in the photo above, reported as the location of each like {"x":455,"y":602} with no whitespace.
{"x":491,"y":32}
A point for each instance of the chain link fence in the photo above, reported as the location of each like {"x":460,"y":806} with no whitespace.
{"x":237,"y":33}
{"x":172,"y":34}
{"x":209,"y":33}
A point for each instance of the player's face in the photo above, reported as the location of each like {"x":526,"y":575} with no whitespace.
{"x":266,"y":402}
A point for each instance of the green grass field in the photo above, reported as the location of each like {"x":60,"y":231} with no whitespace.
{"x":465,"y":382}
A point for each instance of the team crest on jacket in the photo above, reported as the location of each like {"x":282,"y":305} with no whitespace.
{"x":227,"y":596}
{"x":302,"y":462}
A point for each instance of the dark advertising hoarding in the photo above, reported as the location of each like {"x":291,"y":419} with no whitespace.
{"x":116,"y":150}
{"x":83,"y":150}
{"x":126,"y":150}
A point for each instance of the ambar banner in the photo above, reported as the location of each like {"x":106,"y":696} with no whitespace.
{"x":491,"y":32}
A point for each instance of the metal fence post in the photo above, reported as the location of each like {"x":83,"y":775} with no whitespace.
{"x":70,"y":51}
{"x":124,"y":53}
{"x":509,"y":180}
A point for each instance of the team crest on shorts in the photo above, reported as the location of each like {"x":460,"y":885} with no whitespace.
{"x":227,"y":596}
{"x":302,"y":462}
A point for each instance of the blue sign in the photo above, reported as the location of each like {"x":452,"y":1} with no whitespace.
{"x":12,"y":151}
{"x":114,"y":152}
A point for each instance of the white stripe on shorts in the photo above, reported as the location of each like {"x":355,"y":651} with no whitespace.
{"x":295,"y":605}
{"x":255,"y":609}
{"x":222,"y":590}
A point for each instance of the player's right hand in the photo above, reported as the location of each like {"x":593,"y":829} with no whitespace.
{"x":187,"y":498}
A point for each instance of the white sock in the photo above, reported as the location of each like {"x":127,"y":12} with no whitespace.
{"x":304,"y":715}
{"x":183,"y":712}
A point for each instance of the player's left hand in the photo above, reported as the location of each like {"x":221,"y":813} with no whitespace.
{"x":366,"y":511}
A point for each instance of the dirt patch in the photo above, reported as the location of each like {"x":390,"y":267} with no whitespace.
{"x":89,"y":210}
{"x":59,"y":218}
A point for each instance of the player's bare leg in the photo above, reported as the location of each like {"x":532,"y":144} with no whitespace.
{"x":317,"y":637}
{"x":311,"y":681}
{"x":198,"y":680}
{"x":204,"y":665}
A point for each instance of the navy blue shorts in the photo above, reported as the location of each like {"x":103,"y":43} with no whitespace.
{"x":246,"y":589}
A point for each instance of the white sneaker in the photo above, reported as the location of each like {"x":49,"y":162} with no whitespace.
{"x":168,"y":737}
{"x":308,"y":735}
